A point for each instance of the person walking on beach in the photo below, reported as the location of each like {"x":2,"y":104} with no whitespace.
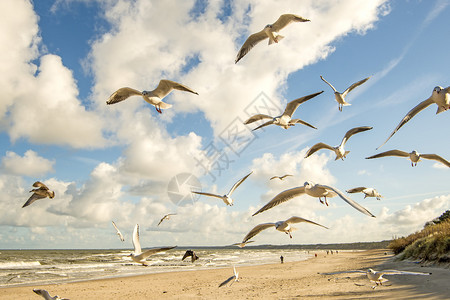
{"x":281,"y":258}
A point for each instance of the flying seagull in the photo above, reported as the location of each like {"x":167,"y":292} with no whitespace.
{"x":314,"y":190}
{"x":368,"y":192}
{"x":414,"y":156}
{"x":190,"y":253}
{"x":285,"y":120}
{"x":281,"y":177}
{"x":242,"y":245}
{"x":235,"y":277}
{"x":41,"y":192}
{"x":440,"y":96}
{"x":339,"y":150}
{"x":154,"y":97}
{"x":227,"y":197}
{"x":47,"y":296}
{"x":340,"y":97}
{"x":377,"y":276}
{"x":270,"y":31}
{"x":166,"y":217}
{"x":283,"y":226}
{"x":139,"y":256}
{"x":118,"y":232}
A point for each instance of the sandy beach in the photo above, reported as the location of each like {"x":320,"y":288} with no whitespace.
{"x":290,"y":280}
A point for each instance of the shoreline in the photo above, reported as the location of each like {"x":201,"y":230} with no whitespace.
{"x":300,"y":279}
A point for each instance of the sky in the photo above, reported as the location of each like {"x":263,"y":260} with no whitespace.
{"x":62,"y":59}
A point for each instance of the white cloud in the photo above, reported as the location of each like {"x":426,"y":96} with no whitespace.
{"x":30,"y":164}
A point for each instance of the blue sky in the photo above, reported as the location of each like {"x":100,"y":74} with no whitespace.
{"x":62,"y":60}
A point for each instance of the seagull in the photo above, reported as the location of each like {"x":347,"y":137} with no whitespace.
{"x":283,"y":226}
{"x":139,"y":256}
{"x":314,"y":190}
{"x":242,"y":245}
{"x":41,"y":192}
{"x":281,"y":177}
{"x":414,"y":156}
{"x":118,"y":232}
{"x":368,"y":192}
{"x":270,"y":31}
{"x":227,"y":197}
{"x":166,"y":217}
{"x":339,"y":150}
{"x":285,"y":120}
{"x":440,"y":96}
{"x":377,"y":276}
{"x":154,"y":97}
{"x":47,"y":296}
{"x":235,"y":277}
{"x":190,"y":253}
{"x":340,"y":97}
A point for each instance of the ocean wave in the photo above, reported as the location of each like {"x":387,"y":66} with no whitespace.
{"x":19,"y":264}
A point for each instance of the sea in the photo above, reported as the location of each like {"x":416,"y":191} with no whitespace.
{"x":39,"y":267}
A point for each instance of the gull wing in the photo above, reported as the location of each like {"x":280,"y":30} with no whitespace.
{"x":317,"y":147}
{"x":33,"y":198}
{"x":329,"y":84}
{"x":282,"y":197}
{"x":257,"y":118}
{"x":208,"y":194}
{"x":397,"y":272}
{"x":166,"y":86}
{"x":298,"y":220}
{"x":160,"y":221}
{"x":353,"y":86}
{"x":136,"y":243}
{"x":40,"y":185}
{"x":187,"y":254}
{"x":354,"y":131}
{"x":238,"y":184}
{"x":285,"y":20}
{"x":149,"y":252}
{"x":356,"y":189}
{"x":122,"y":94}
{"x":118,"y":232}
{"x":291,"y":107}
{"x":242,"y":245}
{"x":348,"y":200}
{"x":343,"y":272}
{"x":421,"y":106}
{"x":295,"y":121}
{"x":227,"y":281}
{"x":251,"y":41}
{"x":44,"y":294}
{"x":436,"y":158}
{"x":390,"y":153}
{"x":257,"y":229}
{"x":263,"y":125}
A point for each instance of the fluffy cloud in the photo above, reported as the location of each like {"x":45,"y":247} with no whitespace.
{"x":31,"y":164}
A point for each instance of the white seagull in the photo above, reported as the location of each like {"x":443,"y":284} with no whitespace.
{"x":41,"y":192}
{"x":368,"y":192}
{"x":166,"y":217}
{"x":235,"y":277}
{"x":283,"y":226}
{"x":270,"y":31}
{"x":339,"y":150}
{"x":47,"y":296}
{"x":227,"y":197}
{"x":139,"y":256}
{"x":242,"y":245}
{"x":285,"y":120}
{"x":340,"y":97}
{"x":118,"y":232}
{"x":281,"y":177}
{"x":154,"y":97}
{"x":414,"y":156}
{"x":440,"y":96}
{"x":314,"y":190}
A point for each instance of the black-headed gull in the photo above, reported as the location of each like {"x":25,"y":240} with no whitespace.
{"x":154,"y":97}
{"x":235,"y":277}
{"x":281,"y":177}
{"x":283,"y":226}
{"x":414,"y":156}
{"x":339,"y":150}
{"x":166,"y":217}
{"x":190,"y":253}
{"x":368,"y":192}
{"x":227,"y":197}
{"x":41,"y":192}
{"x":139,"y":256}
{"x":313,"y":190}
{"x":440,"y":96}
{"x":46,"y":295}
{"x":118,"y":231}
{"x":285,"y":120}
{"x":340,"y":97}
{"x":270,"y":31}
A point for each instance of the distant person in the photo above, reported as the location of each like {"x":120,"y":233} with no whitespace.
{"x":282,"y":258}
{"x":315,"y":254}
{"x":328,"y":252}
{"x":331,"y":251}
